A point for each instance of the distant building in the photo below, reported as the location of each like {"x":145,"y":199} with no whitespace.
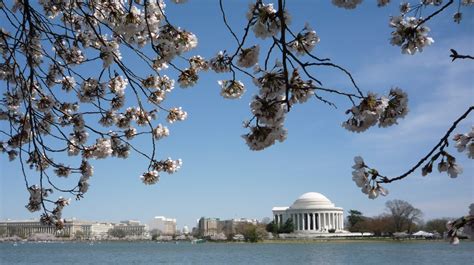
{"x":312,"y":212}
{"x":72,"y":228}
{"x":26,"y":228}
{"x":208,"y":226}
{"x":229,"y":227}
{"x":132,"y":228}
{"x":97,"y":231}
{"x":167,"y":226}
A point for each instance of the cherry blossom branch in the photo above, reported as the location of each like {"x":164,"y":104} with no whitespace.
{"x":281,"y":14}
{"x":281,"y":86}
{"x":443,"y":142}
{"x":227,"y":24}
{"x":455,"y":55}
{"x":40,"y":120}
{"x":454,"y":226}
{"x":435,"y":13}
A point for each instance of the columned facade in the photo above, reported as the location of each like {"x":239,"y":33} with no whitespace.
{"x":312,"y":212}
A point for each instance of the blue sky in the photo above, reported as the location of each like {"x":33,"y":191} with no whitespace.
{"x":222,"y":178}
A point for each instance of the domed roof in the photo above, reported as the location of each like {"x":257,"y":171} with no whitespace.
{"x":312,"y":200}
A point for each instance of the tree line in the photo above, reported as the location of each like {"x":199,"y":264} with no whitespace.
{"x":400,"y":216}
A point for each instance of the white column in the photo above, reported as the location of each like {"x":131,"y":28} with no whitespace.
{"x":314,"y":221}
{"x":326,"y":220}
{"x":304,"y":221}
{"x":306,"y":226}
{"x":323,"y":220}
{"x":319,"y":221}
{"x":338,"y":221}
{"x":342,"y":221}
{"x":331,"y":220}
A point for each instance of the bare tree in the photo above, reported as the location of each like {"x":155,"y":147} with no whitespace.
{"x":403,"y":214}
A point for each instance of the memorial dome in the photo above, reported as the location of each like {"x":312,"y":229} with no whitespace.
{"x":312,"y":200}
{"x":311,"y":213}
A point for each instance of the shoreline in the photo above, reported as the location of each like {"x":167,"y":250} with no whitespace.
{"x":266,"y":241}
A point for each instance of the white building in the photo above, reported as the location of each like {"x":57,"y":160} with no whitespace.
{"x":99,"y":230}
{"x":185,"y":230}
{"x":167,"y":226}
{"x":312,"y":212}
{"x":132,"y":228}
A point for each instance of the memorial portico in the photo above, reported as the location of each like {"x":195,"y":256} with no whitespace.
{"x":312,"y":212}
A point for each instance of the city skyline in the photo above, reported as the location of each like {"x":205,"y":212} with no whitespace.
{"x":220,"y":177}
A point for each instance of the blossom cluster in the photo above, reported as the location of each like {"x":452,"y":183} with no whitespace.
{"x":465,"y":142}
{"x":347,"y":4}
{"x":463,"y":225}
{"x":36,"y":197}
{"x":231,"y":89}
{"x":269,"y":109}
{"x":265,"y":20}
{"x":372,"y":110}
{"x":169,"y":166}
{"x":446,"y":164}
{"x":410,"y":34}
{"x":366,"y":179}
{"x":305,"y":41}
{"x":248,"y":57}
{"x":382,"y":2}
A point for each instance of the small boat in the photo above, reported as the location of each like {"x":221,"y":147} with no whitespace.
{"x":198,"y":241}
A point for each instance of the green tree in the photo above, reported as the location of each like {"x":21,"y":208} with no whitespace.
{"x":436,"y":225}
{"x":353,"y":219}
{"x":252,"y":233}
{"x":272,"y":227}
{"x":288,"y":227}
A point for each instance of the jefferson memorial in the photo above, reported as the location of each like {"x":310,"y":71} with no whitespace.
{"x":311,"y":213}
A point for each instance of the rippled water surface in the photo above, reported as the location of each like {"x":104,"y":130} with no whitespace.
{"x":228,"y":253}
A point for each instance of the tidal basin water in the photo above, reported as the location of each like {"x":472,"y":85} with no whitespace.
{"x":229,"y":253}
